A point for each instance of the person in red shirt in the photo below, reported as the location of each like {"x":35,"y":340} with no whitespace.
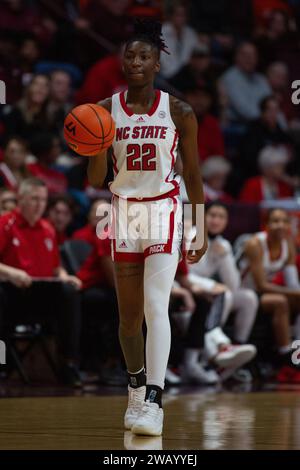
{"x":210,"y":137}
{"x":46,"y":148}
{"x":60,"y":214}
{"x":36,"y":289}
{"x":103,"y":79}
{"x":100,"y":308}
{"x":272,"y":183}
{"x":88,"y":232}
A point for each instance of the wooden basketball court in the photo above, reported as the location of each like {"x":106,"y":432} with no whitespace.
{"x":199,"y":420}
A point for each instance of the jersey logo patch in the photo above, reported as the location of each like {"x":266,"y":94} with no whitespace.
{"x":15,"y":242}
{"x":140,"y":119}
{"x":123,"y":245}
{"x":161,"y":114}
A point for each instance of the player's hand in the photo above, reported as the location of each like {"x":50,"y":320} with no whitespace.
{"x":193,"y":256}
{"x":19,"y":278}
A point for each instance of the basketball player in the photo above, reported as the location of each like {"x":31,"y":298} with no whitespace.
{"x":266,"y":254}
{"x":151,"y":127}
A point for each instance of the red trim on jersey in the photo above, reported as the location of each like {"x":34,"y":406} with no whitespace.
{"x":172,"y":193}
{"x":128,"y":257}
{"x":175,"y":141}
{"x":152,"y":110}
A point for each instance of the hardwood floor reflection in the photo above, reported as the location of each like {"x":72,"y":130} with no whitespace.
{"x":211,"y":421}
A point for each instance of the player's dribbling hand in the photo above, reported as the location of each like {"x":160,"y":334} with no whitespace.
{"x":19,"y":278}
{"x":193,"y":256}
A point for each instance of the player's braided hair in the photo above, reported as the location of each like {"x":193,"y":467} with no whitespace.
{"x":148,"y":30}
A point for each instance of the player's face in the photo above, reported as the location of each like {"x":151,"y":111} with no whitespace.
{"x":278,"y":224}
{"x":216,"y":220}
{"x":140,"y":63}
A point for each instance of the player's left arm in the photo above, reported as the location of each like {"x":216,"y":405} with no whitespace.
{"x":186,"y":123}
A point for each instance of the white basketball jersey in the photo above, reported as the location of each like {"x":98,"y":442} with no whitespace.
{"x":144,"y":150}
{"x":271,"y":267}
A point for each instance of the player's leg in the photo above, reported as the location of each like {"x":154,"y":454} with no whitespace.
{"x":245,"y":305}
{"x":277,"y":305}
{"x":129,"y":286}
{"x":159,"y":275}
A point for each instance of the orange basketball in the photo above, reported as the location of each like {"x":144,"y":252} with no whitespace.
{"x":89,"y":129}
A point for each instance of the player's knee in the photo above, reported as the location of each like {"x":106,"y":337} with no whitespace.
{"x":250,"y":298}
{"x":281,"y":304}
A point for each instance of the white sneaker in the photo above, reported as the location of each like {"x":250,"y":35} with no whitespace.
{"x":136,"y":397}
{"x":196,"y":373}
{"x":234,"y":356}
{"x":149,"y":421}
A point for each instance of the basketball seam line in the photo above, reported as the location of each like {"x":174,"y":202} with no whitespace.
{"x":91,"y":107}
{"x":83,"y":125}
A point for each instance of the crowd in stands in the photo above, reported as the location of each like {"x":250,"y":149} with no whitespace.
{"x":234,"y":64}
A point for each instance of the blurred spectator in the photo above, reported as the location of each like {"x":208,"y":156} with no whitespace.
{"x":263,"y":10}
{"x":271,"y":184}
{"x":17,"y":16}
{"x":28,"y":117}
{"x":60,"y":213}
{"x":46,"y":148}
{"x":13,"y":168}
{"x":244,"y":86}
{"x":29,"y":54}
{"x":28,"y":254}
{"x":59,"y":103}
{"x":8,"y":200}
{"x":88,"y":232}
{"x":103,"y":79}
{"x":278,"y":78}
{"x":210,"y":138}
{"x":215,"y":171}
{"x":267,"y":130}
{"x":145,"y":8}
{"x":219,"y":262}
{"x":198,"y":72}
{"x":180,"y":39}
{"x":110,"y":20}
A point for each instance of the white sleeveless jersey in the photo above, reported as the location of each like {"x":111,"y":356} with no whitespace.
{"x":271,"y":267}
{"x":144,"y":150}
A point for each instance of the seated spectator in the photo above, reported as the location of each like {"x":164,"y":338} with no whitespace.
{"x":278,"y":78}
{"x":215,"y":171}
{"x":277,"y":42}
{"x":219,"y":261}
{"x":46,"y":148}
{"x":60,"y":214}
{"x":88,"y":232}
{"x":29,"y":54}
{"x":8,"y":200}
{"x":13,"y":169}
{"x":100,"y":308}
{"x":265,"y":131}
{"x":28,"y":255}
{"x":244,"y":86}
{"x":205,"y":330}
{"x":271,"y":184}
{"x":59,"y":103}
{"x":180,"y":39}
{"x":197,"y":73}
{"x":103,"y":79}
{"x":28,"y":117}
{"x":210,"y":138}
{"x":265,"y":254}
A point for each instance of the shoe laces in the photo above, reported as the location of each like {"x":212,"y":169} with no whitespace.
{"x":136,"y":396}
{"x":150,"y":409}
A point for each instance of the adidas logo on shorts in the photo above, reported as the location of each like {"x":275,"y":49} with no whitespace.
{"x":123,"y":245}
